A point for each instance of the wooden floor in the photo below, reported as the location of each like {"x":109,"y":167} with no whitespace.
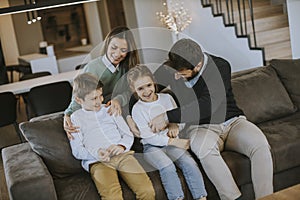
{"x":9,"y":137}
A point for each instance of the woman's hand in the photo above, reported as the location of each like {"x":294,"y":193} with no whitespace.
{"x":115,"y":107}
{"x":69,"y":128}
{"x":132,"y":125}
{"x":173,"y":130}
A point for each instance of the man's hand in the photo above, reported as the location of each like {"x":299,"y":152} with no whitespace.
{"x":103,"y":155}
{"x":69,"y":128}
{"x":158,"y":123}
{"x":115,"y":150}
{"x":115,"y":107}
{"x":132,"y":125}
{"x":173,"y":130}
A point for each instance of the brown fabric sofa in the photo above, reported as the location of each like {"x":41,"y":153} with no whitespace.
{"x":44,"y":168}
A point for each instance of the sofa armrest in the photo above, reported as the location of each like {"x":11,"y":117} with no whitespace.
{"x":27,"y":177}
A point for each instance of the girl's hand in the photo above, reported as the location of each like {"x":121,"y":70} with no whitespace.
{"x":132,"y":125}
{"x":115,"y":150}
{"x":115,"y":107}
{"x":69,"y":128}
{"x":173,"y":130}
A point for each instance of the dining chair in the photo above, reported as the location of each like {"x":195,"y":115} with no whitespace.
{"x":49,"y":98}
{"x":8,"y":111}
{"x":24,"y":77}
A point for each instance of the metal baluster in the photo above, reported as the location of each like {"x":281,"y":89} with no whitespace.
{"x":232,"y":14}
{"x":228,"y":12}
{"x":220,"y":3}
{"x":240,"y":17}
{"x":252,"y":22}
{"x":245,"y":18}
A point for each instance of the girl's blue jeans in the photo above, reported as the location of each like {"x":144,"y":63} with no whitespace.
{"x":163,"y":159}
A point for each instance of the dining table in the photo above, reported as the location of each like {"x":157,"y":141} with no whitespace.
{"x":25,"y":86}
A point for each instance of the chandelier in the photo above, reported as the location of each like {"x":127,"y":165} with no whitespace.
{"x":175,"y":16}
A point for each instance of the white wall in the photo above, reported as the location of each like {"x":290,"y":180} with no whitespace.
{"x":93,"y":23}
{"x":293,"y":7}
{"x":205,"y":29}
{"x":152,"y":34}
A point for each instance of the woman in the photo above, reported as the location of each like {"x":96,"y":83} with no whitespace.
{"x":118,"y":55}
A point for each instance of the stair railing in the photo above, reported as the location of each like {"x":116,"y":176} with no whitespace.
{"x":238,"y":13}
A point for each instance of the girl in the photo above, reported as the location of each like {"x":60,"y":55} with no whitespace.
{"x":161,"y":149}
{"x":118,"y":55}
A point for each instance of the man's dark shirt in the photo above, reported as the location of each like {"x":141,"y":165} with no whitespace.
{"x":209,"y":101}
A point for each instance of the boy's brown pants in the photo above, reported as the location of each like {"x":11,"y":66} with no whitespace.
{"x":105,"y":176}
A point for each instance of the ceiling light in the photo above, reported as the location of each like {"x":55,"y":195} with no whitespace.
{"x":40,"y":6}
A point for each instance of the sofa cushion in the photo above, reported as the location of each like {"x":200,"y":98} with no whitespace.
{"x":261,"y":95}
{"x":48,"y":139}
{"x":289,"y":73}
{"x":284,"y":139}
{"x":79,"y":186}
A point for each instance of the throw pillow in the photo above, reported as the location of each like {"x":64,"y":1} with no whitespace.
{"x":48,"y":139}
{"x":289,"y":73}
{"x":261,"y":95}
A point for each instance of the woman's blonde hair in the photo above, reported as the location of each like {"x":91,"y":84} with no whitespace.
{"x":122,"y":32}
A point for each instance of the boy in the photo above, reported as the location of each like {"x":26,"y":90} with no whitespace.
{"x":103,"y":144}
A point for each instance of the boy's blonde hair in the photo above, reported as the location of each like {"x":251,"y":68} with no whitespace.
{"x":137,"y":72}
{"x":84,"y":84}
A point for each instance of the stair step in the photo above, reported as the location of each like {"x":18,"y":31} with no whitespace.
{"x":272,"y":36}
{"x":258,"y":13}
{"x":272,"y":22}
{"x":278,"y":50}
{"x":267,"y":23}
{"x":256,"y":4}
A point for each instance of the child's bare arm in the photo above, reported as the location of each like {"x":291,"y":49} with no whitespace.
{"x":180,"y":143}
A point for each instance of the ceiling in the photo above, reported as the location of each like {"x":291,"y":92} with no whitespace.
{"x":38,"y":5}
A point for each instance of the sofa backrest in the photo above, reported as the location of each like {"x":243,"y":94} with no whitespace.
{"x":288,"y":71}
{"x":261,"y":95}
{"x":48,"y":139}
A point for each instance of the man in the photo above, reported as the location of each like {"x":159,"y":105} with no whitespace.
{"x":202,"y":85}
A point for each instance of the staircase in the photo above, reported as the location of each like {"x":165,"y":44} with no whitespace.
{"x":265,"y":25}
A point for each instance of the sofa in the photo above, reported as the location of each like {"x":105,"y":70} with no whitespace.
{"x":44,"y":168}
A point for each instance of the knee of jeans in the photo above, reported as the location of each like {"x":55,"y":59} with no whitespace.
{"x":170,"y":169}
